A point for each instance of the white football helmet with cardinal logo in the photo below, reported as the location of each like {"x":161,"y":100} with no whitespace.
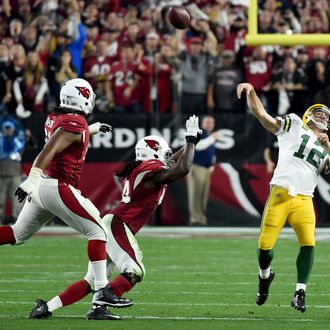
{"x":77,"y":94}
{"x":153,"y":147}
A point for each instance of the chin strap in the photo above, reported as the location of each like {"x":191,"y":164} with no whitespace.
{"x":319,"y":125}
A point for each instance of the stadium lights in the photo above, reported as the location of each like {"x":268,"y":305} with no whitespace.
{"x":253,"y":38}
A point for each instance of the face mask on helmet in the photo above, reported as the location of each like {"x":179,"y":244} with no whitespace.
{"x":319,"y":115}
{"x":153,"y":147}
{"x":77,"y":94}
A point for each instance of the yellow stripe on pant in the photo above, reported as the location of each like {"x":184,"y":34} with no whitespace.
{"x":280,"y":208}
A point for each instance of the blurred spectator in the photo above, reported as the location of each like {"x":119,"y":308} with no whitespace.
{"x":96,"y":70}
{"x":92,"y":35}
{"x":12,"y":141}
{"x":58,"y":45}
{"x":30,"y":89}
{"x":201,"y":28}
{"x":265,"y":24}
{"x":15,"y":29}
{"x":65,"y":70}
{"x":90,"y":15}
{"x":199,"y":176}
{"x":151,"y":54}
{"x":131,"y":35}
{"x":164,"y":66}
{"x":76,"y":30}
{"x":124,"y":79}
{"x":16,"y":69}
{"x":113,"y":21}
{"x":43,"y":48}
{"x":289,"y":23}
{"x":315,"y":19}
{"x":44,"y":22}
{"x":24,"y":11}
{"x":113,"y":45}
{"x":289,"y":82}
{"x":29,"y":38}
{"x":318,"y":77}
{"x":234,"y":38}
{"x":5,"y":81}
{"x":196,"y":67}
{"x":222,"y":88}
{"x":258,"y":68}
{"x":302,"y":59}
{"x":97,"y":66}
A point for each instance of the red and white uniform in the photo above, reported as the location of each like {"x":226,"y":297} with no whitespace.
{"x":135,"y":210}
{"x":67,"y":165}
{"x":139,"y":202}
{"x":56,"y":194}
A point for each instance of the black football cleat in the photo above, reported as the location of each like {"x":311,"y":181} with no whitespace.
{"x":105,"y":296}
{"x":98,"y":312}
{"x":298,"y":301}
{"x":40,"y":310}
{"x":264,"y":285}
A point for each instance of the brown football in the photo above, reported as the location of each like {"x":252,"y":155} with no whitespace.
{"x":178,"y":17}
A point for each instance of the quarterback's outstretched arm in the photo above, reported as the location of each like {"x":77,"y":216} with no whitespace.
{"x":256,"y":107}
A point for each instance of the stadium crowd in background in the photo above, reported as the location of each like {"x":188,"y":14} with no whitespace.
{"x":138,"y":63}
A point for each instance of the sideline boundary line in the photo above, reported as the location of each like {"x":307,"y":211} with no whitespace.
{"x":168,"y":232}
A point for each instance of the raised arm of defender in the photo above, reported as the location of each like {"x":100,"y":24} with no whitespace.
{"x":185,"y":156}
{"x":256,"y":107}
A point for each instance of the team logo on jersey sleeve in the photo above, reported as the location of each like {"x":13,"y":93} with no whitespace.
{"x":153,"y":144}
{"x":85,"y":92}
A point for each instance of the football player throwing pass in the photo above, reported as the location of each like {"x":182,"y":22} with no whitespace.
{"x":304,"y":150}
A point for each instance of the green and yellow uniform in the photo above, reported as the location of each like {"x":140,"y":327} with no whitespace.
{"x":301,"y":159}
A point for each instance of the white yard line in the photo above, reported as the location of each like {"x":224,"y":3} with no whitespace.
{"x":166,"y":232}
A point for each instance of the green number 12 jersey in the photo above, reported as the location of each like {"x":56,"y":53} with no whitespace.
{"x":301,"y":157}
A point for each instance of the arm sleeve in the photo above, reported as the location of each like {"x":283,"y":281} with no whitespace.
{"x":205,"y":143}
{"x":287,"y":122}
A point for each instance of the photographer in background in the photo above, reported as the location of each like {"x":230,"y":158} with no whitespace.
{"x":12,"y":142}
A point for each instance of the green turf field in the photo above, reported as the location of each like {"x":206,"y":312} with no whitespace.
{"x":191,"y":283}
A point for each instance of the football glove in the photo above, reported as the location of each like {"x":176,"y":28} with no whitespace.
{"x":99,"y":127}
{"x":192,"y":128}
{"x":28,"y":186}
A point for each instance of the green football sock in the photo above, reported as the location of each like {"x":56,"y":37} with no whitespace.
{"x":304,"y":263}
{"x":265,"y":257}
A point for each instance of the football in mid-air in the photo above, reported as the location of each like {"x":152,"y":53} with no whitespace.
{"x":178,"y":17}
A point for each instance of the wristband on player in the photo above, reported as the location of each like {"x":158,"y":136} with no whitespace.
{"x":191,"y":139}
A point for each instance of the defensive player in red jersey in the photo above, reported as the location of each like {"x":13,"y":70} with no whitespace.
{"x":146,"y":179}
{"x":52,"y":182}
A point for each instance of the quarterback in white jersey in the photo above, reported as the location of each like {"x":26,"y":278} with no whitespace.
{"x":304,"y":150}
{"x":301,"y":155}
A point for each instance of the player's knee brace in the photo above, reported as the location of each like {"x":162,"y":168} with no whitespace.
{"x":132,"y":278}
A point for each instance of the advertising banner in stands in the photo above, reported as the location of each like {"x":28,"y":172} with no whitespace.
{"x":240,"y":182}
